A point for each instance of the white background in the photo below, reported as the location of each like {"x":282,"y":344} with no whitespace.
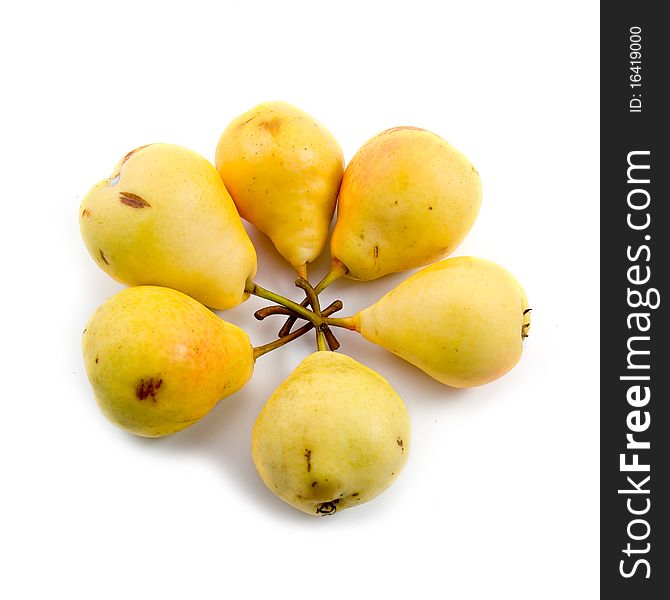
{"x":499,"y":498}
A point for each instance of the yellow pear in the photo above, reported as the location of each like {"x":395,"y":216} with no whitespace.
{"x":283,"y":170}
{"x":165,"y":218}
{"x":462,"y":320}
{"x":159,"y":360}
{"x":333,"y":435}
{"x":407,"y":199}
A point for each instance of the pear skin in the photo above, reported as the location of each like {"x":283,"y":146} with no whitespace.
{"x":283,"y":170}
{"x":165,"y":218}
{"x":408,"y":199}
{"x":159,"y":360}
{"x":333,"y":435}
{"x":461,"y":320}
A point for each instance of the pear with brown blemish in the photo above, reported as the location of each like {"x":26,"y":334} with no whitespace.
{"x":283,"y":170}
{"x":408,"y":199}
{"x":333,"y":435}
{"x":165,"y":218}
{"x":159,"y":361}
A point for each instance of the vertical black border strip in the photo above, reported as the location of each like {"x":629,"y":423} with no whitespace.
{"x":635,"y":562}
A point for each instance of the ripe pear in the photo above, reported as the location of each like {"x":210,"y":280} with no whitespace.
{"x":407,"y":199}
{"x":462,"y":321}
{"x":283,"y":170}
{"x":165,"y":218}
{"x":333,"y":435}
{"x":158,"y":360}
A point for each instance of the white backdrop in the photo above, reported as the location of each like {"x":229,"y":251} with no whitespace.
{"x":499,"y":498}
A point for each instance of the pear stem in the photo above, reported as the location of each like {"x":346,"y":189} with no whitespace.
{"x":331,"y":340}
{"x":301,"y":270}
{"x":321,"y":344}
{"x":279,"y":342}
{"x":268,"y":311}
{"x":336,"y":271}
{"x":345,"y":322}
{"x":256,"y":290}
{"x":302,"y":283}
{"x":263,"y":313}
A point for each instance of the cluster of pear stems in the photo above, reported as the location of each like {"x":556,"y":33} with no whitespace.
{"x":316,"y":318}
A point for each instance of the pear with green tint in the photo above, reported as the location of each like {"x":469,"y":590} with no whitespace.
{"x":159,"y":361}
{"x":333,"y":435}
{"x":163,"y":217}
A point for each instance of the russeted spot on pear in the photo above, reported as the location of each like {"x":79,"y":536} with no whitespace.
{"x":164,"y":217}
{"x":333,"y":435}
{"x":462,"y":320}
{"x":408,"y":199}
{"x":283,"y":169}
{"x":159,"y":361}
